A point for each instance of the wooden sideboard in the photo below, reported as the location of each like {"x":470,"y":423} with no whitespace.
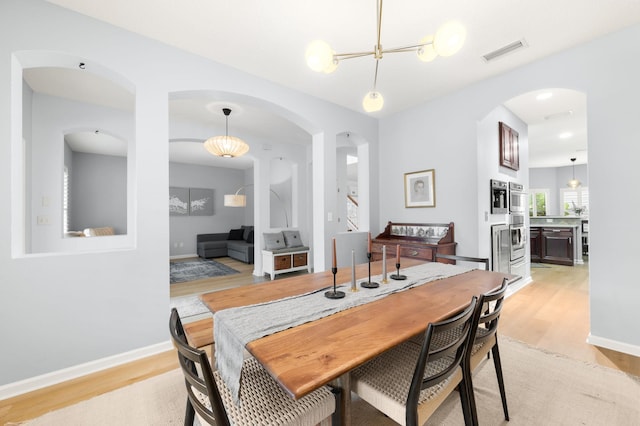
{"x":419,"y":240}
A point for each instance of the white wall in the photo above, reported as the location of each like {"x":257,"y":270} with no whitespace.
{"x":443,"y":134}
{"x":85,"y":307}
{"x":184,"y":229}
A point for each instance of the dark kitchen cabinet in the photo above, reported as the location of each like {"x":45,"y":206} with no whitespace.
{"x":535,"y":242}
{"x":552,"y":245}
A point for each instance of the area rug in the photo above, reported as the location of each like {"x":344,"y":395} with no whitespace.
{"x":542,"y":389}
{"x":198,"y":270}
{"x":188,"y":306}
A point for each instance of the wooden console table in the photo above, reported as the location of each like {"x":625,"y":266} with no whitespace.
{"x":417,"y":240}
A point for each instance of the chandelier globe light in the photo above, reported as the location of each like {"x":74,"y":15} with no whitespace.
{"x":447,"y":41}
{"x":226,"y":146}
{"x":574,"y":183}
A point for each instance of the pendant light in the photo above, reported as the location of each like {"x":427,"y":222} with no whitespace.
{"x":226,"y":146}
{"x":574,"y":183}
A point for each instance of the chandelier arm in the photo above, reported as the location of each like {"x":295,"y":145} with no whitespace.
{"x":375,"y":78}
{"x":341,"y":56}
{"x":406,"y":48}
{"x":379,"y":29}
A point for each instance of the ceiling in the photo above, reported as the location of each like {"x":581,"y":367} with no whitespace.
{"x":268,"y":39}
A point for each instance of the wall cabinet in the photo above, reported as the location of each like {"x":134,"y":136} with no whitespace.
{"x":552,"y":245}
{"x":275,"y":263}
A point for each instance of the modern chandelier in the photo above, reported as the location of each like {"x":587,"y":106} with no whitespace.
{"x":574,"y":183}
{"x":226,"y":146}
{"x":447,"y":40}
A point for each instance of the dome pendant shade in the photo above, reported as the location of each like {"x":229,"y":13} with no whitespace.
{"x":372,"y":102}
{"x":574,"y":183}
{"x":226,"y":146}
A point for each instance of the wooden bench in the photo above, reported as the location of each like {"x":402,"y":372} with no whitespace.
{"x":199,"y":333}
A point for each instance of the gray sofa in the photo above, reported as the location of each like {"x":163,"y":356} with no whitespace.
{"x":237,"y":244}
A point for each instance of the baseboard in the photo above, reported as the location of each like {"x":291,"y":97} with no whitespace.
{"x":614,"y":345}
{"x":517,"y":286}
{"x":38,"y":382}
{"x":182,"y":256}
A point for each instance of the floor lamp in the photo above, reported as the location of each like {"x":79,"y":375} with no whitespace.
{"x":240,"y":200}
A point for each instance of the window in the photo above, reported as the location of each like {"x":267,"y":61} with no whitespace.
{"x":574,"y":201}
{"x":538,"y":202}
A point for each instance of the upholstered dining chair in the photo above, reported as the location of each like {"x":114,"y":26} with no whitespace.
{"x":456,"y":257}
{"x":410,"y":381}
{"x":485,"y":342}
{"x":262,"y":400}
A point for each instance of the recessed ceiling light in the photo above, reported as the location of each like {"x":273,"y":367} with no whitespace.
{"x":544,"y":95}
{"x":565,"y":135}
{"x":558,"y":115}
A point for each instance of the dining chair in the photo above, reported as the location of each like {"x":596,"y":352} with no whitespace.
{"x":262,"y":400}
{"x":456,"y":257}
{"x":411,"y":380}
{"x":485,"y":341}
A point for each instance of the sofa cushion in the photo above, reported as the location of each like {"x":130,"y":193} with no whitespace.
{"x":250,"y":237}
{"x":292,"y":238}
{"x":274,"y":241}
{"x":236,"y":234}
{"x":213,"y":244}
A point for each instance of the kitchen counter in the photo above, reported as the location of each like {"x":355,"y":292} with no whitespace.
{"x":577,"y":236}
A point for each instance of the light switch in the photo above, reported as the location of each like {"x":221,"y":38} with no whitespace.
{"x":330,"y":217}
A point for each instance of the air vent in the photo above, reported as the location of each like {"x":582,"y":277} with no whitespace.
{"x":511,"y":47}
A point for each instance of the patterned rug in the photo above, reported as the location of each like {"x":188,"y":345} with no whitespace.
{"x":198,"y":270}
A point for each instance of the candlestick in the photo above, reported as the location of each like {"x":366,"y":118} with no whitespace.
{"x":334,"y":294}
{"x":397,"y":275}
{"x":369,"y":243}
{"x":369,"y":284}
{"x":354,"y":288}
{"x":384,"y":265}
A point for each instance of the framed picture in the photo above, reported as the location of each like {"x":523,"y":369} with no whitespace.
{"x":509,"y":147}
{"x":200,"y":202}
{"x":178,"y":201}
{"x":420,"y":189}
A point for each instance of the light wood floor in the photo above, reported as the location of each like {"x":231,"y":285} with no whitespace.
{"x":551,"y":313}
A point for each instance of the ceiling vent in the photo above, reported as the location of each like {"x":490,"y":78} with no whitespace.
{"x":511,"y":47}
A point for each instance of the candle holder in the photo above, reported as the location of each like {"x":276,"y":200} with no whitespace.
{"x":334,"y":294}
{"x":397,"y":275}
{"x":369,"y":284}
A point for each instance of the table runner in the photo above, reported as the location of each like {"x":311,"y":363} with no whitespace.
{"x":236,"y":327}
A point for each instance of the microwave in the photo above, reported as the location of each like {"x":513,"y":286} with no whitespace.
{"x":517,"y":198}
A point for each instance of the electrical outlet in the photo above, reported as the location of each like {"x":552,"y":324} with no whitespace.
{"x":181,"y":244}
{"x":43,"y":220}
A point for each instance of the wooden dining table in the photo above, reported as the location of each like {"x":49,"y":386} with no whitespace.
{"x":324,"y":351}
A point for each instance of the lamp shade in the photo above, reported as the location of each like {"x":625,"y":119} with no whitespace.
{"x":235,"y":200}
{"x":449,"y":38}
{"x":427,"y":52}
{"x":319,"y":56}
{"x":373,"y":101}
{"x":226,"y":146}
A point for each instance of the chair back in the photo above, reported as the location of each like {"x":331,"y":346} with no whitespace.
{"x":198,"y":376}
{"x":456,"y":257}
{"x":445,"y":345}
{"x":488,"y":314}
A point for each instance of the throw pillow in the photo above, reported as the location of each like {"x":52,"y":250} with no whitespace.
{"x":274,"y":241}
{"x":250,"y":238}
{"x":292,"y":238}
{"x":236,"y":234}
{"x":246,"y":229}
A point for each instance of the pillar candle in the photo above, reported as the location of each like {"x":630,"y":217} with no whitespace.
{"x":398,"y":253}
{"x":369,"y":243}
{"x":353,"y":269}
{"x":334,"y":262}
{"x":384,"y":262}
